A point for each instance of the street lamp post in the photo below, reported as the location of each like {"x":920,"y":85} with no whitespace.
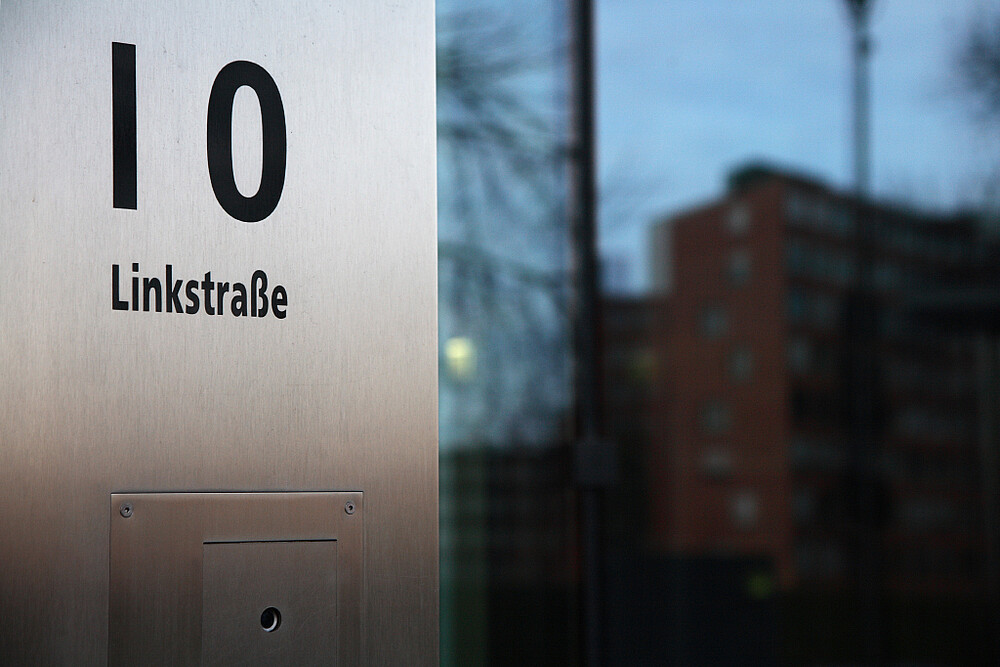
{"x":860,"y":337}
{"x":860,"y":11}
{"x":594,"y":458}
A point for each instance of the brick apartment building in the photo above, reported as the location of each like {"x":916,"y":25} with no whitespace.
{"x":750,"y":450}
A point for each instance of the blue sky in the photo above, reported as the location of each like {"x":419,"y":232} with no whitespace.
{"x":689,"y":88}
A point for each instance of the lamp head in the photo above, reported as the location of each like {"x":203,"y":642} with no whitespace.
{"x":859,"y":8}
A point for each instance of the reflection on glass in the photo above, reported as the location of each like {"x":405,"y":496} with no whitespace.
{"x":802,"y":398}
{"x":507,"y":538}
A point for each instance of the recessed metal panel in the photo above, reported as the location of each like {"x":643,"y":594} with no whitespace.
{"x":193,"y":573}
{"x":270,"y":603}
{"x":137,"y":354}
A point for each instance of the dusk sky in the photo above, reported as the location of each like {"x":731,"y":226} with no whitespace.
{"x":688,"y":88}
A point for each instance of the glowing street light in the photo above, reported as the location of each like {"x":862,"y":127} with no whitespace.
{"x":460,"y":358}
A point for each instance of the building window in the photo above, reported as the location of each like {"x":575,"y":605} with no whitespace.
{"x":799,"y":355}
{"x":714,"y":322}
{"x":887,"y":275}
{"x":804,"y":506}
{"x":716,"y":417}
{"x":717,"y":463}
{"x":642,"y":366}
{"x":798,"y":306}
{"x":796,"y":257}
{"x":739,"y":268}
{"x":744,"y":508}
{"x":815,"y":308}
{"x":738,"y":220}
{"x":843,"y":220}
{"x":819,"y":560}
{"x":795,"y":207}
{"x":741,"y":364}
{"x":809,"y":453}
{"x":825,"y":310}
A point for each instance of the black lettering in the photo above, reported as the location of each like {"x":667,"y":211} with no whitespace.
{"x":116,"y":303}
{"x":223,"y":288}
{"x":123,"y":121}
{"x":155,"y":291}
{"x":192,"y":295}
{"x":148,"y":285}
{"x":207,"y":285}
{"x":135,"y":286}
{"x":279,"y":298}
{"x":220,"y":141}
{"x":238,"y":305}
{"x":258,"y":287}
{"x":173,"y":292}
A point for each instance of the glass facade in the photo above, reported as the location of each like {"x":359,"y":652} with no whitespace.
{"x":801,"y":398}
{"x":507,"y":531}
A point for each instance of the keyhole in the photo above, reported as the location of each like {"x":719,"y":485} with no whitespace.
{"x":270,"y":619}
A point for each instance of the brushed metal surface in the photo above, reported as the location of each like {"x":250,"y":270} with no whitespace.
{"x":271,"y":603}
{"x":341,"y":394}
{"x":191,"y":573}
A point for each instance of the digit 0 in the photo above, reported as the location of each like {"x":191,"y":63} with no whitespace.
{"x":220,"y":141}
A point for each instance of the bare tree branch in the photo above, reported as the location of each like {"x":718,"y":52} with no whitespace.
{"x":979,"y":62}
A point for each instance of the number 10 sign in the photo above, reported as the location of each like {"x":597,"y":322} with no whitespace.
{"x":219,"y":273}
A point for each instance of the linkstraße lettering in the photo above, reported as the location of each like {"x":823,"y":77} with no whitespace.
{"x":194,"y":296}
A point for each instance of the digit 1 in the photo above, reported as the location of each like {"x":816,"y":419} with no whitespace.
{"x":123,"y":121}
{"x":220,"y":141}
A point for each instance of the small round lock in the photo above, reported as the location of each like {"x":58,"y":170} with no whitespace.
{"x":125,"y":510}
{"x":349,"y":507}
{"x":270,"y":619}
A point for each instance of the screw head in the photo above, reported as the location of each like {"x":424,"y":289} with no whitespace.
{"x":125,"y":510}
{"x":349,"y":507}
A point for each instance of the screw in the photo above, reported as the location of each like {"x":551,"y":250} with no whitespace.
{"x":349,"y":507}
{"x":126,"y":510}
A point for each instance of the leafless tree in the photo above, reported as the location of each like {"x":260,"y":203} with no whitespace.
{"x":978,"y":74}
{"x":979,"y":62}
{"x":502,"y":248}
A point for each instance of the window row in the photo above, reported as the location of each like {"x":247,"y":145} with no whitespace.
{"x":821,"y":214}
{"x":925,"y":423}
{"x":909,"y":374}
{"x":906,"y":235}
{"x":819,"y":262}
{"x":813,"y":308}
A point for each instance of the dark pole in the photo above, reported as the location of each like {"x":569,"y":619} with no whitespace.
{"x":860,"y":10}
{"x":988,"y":367}
{"x":870,"y":503}
{"x":593,"y":458}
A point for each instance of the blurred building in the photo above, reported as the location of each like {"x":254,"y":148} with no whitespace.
{"x":666,"y":608}
{"x":750,"y":443}
{"x":508,"y":551}
{"x":632,"y":367}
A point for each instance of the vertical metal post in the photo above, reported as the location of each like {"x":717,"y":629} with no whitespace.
{"x":862,"y":49}
{"x":861,"y":340}
{"x":593,"y":458}
{"x":988,"y":374}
